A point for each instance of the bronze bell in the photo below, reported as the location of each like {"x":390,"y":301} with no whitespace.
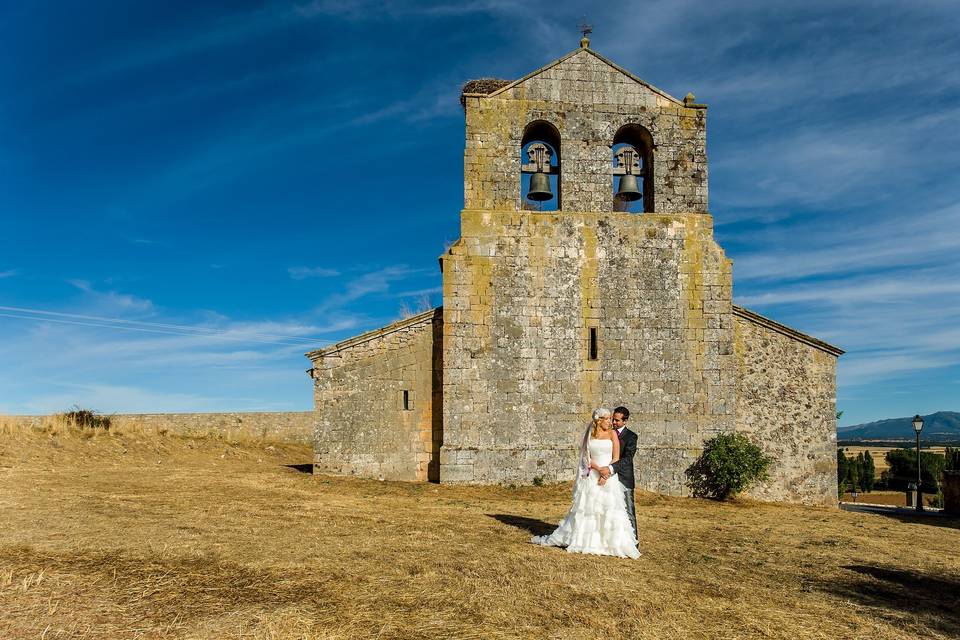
{"x":628,"y":189}
{"x":540,"y":187}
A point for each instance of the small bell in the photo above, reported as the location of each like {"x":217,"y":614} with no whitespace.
{"x":628,"y":189}
{"x":540,"y":187}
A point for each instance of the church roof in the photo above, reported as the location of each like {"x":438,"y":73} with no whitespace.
{"x":491,"y":87}
{"x":790,"y":332}
{"x":430,"y":314}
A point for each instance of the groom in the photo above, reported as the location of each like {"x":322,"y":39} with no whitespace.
{"x":623,"y":467}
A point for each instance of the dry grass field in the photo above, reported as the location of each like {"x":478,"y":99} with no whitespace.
{"x":145,"y":535}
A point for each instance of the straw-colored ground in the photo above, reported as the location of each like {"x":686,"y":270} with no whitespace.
{"x":153,"y":536}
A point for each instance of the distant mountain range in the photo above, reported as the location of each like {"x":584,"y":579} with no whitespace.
{"x":942,"y":426}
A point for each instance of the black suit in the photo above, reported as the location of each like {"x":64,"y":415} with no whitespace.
{"x":624,"y":470}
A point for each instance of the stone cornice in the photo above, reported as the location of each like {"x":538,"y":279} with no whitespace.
{"x":763,"y":321}
{"x":376,"y":333}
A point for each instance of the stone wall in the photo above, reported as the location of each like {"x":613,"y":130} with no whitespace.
{"x":786,"y":402}
{"x":521,"y":292}
{"x":588,"y":99}
{"x":362,"y":427}
{"x":286,"y":426}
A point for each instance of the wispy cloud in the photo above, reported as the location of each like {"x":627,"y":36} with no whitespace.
{"x":146,"y":366}
{"x":374,"y":282}
{"x":834,"y":165}
{"x":9,"y":273}
{"x":117,"y":398}
{"x":371,"y":10}
{"x":301,"y":273}
{"x":113,"y":301}
{"x":215,"y":328}
{"x":218,"y":33}
{"x":893,"y":323}
{"x":138,"y":357}
{"x":786,"y":252}
{"x":417,"y":293}
{"x":875,"y":289}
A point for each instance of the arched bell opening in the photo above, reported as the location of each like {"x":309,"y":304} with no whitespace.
{"x":540,"y":167}
{"x":632,"y":168}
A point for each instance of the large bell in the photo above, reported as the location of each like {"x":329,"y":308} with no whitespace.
{"x":628,"y":189}
{"x":539,"y":187}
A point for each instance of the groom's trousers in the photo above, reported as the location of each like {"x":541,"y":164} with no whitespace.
{"x":631,"y":509}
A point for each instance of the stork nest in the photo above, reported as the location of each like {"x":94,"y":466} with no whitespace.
{"x":482,"y":85}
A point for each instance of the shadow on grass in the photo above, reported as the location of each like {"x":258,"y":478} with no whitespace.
{"x":302,"y":468}
{"x":902,"y":595}
{"x":534,"y":526}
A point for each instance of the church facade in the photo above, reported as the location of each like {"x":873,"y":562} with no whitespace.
{"x":548,"y":314}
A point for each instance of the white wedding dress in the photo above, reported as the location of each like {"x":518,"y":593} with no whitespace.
{"x":597,"y":521}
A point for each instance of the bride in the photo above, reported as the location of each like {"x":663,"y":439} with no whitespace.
{"x":597,"y":521}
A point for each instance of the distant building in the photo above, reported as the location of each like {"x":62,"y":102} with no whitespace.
{"x":557,"y":298}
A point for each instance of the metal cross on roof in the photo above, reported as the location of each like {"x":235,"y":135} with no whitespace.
{"x":586,"y":30}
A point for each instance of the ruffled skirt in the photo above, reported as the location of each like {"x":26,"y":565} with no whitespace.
{"x":597,"y":522}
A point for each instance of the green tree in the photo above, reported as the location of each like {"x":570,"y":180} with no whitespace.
{"x":903,"y":469}
{"x":728,"y":465}
{"x":843,"y":471}
{"x":952,"y":459}
{"x":854,"y":475}
{"x":869,"y":477}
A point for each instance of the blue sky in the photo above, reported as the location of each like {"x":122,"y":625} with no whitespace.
{"x":192,"y":196}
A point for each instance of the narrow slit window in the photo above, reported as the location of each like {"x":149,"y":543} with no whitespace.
{"x":407,"y":405}
{"x":593,"y":344}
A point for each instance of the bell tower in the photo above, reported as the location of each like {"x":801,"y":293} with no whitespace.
{"x":586,"y":275}
{"x":592,"y":115}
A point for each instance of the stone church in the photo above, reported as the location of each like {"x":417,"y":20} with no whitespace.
{"x":586,"y":275}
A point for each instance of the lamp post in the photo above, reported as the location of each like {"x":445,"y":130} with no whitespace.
{"x":918,"y":427}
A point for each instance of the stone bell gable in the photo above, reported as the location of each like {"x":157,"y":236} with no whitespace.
{"x":586,"y":274}
{"x":585,"y":99}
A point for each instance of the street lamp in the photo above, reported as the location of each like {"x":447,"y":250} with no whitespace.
{"x":918,"y":427}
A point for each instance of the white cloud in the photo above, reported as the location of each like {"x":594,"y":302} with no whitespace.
{"x":893,"y":325}
{"x":131,"y":356}
{"x":9,"y":274}
{"x":833,"y":165}
{"x":375,"y":282}
{"x":429,"y":291}
{"x":61,"y":359}
{"x":173,"y":46}
{"x":112,"y":301}
{"x":109,"y":398}
{"x":374,"y":10}
{"x":883,"y":242}
{"x":875,"y":289}
{"x":300,"y":273}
